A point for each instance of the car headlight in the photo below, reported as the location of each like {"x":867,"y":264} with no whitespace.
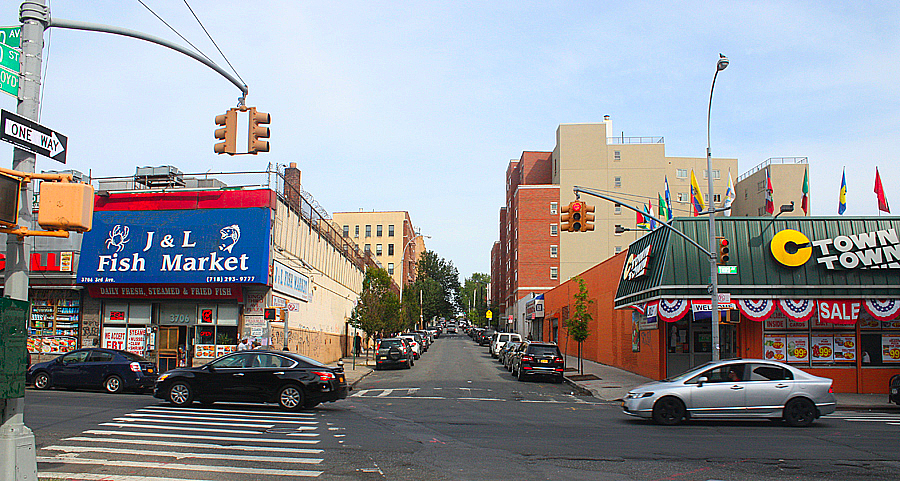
{"x":638,"y":395}
{"x":162,"y":378}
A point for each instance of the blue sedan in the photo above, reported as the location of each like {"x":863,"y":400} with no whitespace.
{"x":94,"y":368}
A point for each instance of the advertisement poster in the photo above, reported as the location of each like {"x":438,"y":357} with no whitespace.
{"x":775,"y":348}
{"x":822,"y":348}
{"x":797,"y":348}
{"x":204,"y":350}
{"x":113,"y":338}
{"x":845,"y":347}
{"x":50,"y":345}
{"x":890,"y":348}
{"x":137,"y":340}
{"x":773,"y":323}
{"x":223,"y":349}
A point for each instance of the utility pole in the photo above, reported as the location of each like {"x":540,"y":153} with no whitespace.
{"x":17,"y":449}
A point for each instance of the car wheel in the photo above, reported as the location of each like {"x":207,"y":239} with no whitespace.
{"x":408,"y":364}
{"x":181,"y":394}
{"x":799,"y":412}
{"x":519,"y":375}
{"x":290,"y":397}
{"x":113,"y":384}
{"x":668,"y":411}
{"x":41,"y":380}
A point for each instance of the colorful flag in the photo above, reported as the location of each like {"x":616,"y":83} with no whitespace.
{"x":804,"y":203}
{"x":729,"y":194}
{"x":651,"y":219}
{"x":696,"y":196}
{"x":879,"y":191}
{"x":770,"y":202}
{"x":669,"y":213}
{"x":842,"y":198}
{"x":640,"y":222}
{"x":664,"y":212}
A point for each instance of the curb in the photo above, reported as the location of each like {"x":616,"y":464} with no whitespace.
{"x":581,"y":389}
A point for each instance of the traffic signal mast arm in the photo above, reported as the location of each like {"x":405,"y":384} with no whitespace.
{"x":694,"y":243}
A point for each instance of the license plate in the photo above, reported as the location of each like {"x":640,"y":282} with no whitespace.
{"x":382,"y":357}
{"x":150,"y":371}
{"x":340,"y":378}
{"x":544,"y":361}
{"x":893,"y":390}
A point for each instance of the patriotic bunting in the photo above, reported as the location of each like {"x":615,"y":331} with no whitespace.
{"x":883,"y":309}
{"x":756,"y":310}
{"x":799,"y":310}
{"x":671,"y":311}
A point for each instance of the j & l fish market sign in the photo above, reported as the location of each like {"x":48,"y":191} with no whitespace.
{"x":218,"y":246}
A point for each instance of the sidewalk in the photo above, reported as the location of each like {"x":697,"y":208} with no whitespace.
{"x":362,"y":368}
{"x":611,"y":384}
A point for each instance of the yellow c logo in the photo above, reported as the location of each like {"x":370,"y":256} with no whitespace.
{"x":791,"y":248}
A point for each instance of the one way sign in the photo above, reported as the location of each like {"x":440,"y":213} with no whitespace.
{"x":32,"y":136}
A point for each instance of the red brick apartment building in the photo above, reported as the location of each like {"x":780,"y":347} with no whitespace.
{"x":525,"y":262}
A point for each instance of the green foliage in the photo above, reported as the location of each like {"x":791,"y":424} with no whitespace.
{"x":378,"y":309}
{"x":473,"y":297}
{"x":438,"y":280}
{"x":577,"y":324}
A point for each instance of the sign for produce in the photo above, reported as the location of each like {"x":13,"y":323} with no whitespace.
{"x":890,"y":348}
{"x":822,"y":348}
{"x":775,"y":348}
{"x":845,"y":348}
{"x":797,"y":348}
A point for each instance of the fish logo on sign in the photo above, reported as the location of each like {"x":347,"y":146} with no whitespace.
{"x":231,"y":233}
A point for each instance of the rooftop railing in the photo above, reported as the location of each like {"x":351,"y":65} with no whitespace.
{"x":773,"y":160}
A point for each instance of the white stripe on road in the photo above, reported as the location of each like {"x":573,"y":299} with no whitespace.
{"x":480,"y":399}
{"x":183,"y":455}
{"x":186,"y":428}
{"x":185,"y":467}
{"x":224,"y":411}
{"x":174,"y":421}
{"x":198,"y":436}
{"x":244,"y":420}
{"x":385,"y":393}
{"x":151,"y":442}
{"x":104,"y":477}
{"x":411,"y":391}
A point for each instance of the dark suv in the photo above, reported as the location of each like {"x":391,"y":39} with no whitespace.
{"x":393,"y":352}
{"x":894,"y":389}
{"x":538,"y":359}
{"x":484,"y":337}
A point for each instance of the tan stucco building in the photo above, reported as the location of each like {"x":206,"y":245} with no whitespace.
{"x":389,"y":236}
{"x":787,"y":186}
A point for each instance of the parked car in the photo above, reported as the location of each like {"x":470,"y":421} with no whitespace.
{"x":506,"y":350}
{"x":94,"y":368}
{"x":894,"y":389}
{"x":742,"y":388}
{"x":414,"y":345}
{"x":539,"y":359}
{"x":291,"y":380}
{"x":513,"y":355}
{"x":451,"y":329}
{"x":393,"y":352}
{"x":484,"y":338}
{"x":499,"y":339}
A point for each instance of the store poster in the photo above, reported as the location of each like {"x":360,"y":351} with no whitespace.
{"x":114,"y":338}
{"x":205,"y":350}
{"x":775,"y":348}
{"x":797,"y":348}
{"x":50,"y":345}
{"x":845,"y":348}
{"x":136,"y":343}
{"x":779,"y":321}
{"x":890,"y":348}
{"x":822,"y":349}
{"x":221,"y":350}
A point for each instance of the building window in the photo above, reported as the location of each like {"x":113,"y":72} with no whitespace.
{"x":716,"y":174}
{"x":681,"y":173}
{"x":554,"y":272}
{"x":356,"y":234}
{"x":617,"y":155}
{"x":391,"y":268}
{"x":616,"y":232}
{"x":391,"y":230}
{"x":378,"y":231}
{"x":717,"y":198}
{"x":617,"y":209}
{"x":617,"y":181}
{"x":390,"y":249}
{"x":378,"y":249}
{"x":346,"y":231}
{"x":367,"y":248}
{"x":368,"y":231}
{"x":618,"y":249}
{"x":682,"y":197}
{"x":554,"y":251}
{"x":554,"y":229}
{"x":554,"y":208}
{"x":761,"y":186}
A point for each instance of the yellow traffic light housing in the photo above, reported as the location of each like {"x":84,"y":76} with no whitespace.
{"x":227,"y":133}
{"x":257,"y":132}
{"x":565,"y":218}
{"x":66,"y":206}
{"x":587,"y":218}
{"x":724,"y":250}
{"x":576,"y":210}
{"x":10,"y":188}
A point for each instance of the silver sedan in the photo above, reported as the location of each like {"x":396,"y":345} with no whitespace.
{"x":735,"y":388}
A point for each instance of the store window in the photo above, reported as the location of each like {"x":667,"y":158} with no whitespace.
{"x":216,"y":330}
{"x":818,"y":343}
{"x":126,"y":327}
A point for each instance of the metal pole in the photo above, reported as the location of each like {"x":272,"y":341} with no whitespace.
{"x":17,"y":449}
{"x":713,"y":252}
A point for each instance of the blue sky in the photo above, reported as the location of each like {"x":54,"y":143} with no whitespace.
{"x":419,"y":106}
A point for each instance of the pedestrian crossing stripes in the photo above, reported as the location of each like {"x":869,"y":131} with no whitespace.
{"x":160,"y":443}
{"x":464,"y":394}
{"x":892,"y":419}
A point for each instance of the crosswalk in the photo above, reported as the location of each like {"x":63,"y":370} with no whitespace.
{"x":468,"y":394}
{"x":160,"y":443}
{"x":891,"y":419}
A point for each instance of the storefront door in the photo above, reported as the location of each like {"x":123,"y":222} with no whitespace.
{"x":168,"y":347}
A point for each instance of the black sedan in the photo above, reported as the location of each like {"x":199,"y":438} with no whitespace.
{"x":94,"y":368}
{"x":291,"y":380}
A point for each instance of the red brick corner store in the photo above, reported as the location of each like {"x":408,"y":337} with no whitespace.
{"x":819,"y":293}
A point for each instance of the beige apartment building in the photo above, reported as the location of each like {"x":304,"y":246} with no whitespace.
{"x":633,"y":169}
{"x":787,"y":175}
{"x":389,"y":236}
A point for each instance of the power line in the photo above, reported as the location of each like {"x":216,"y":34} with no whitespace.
{"x":176,"y":32}
{"x":214,"y":43}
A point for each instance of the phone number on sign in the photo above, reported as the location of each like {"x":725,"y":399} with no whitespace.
{"x":231,"y":279}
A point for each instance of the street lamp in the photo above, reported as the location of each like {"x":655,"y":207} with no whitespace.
{"x":713,"y":267}
{"x":403,"y":275}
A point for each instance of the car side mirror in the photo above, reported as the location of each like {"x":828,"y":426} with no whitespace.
{"x":703,"y":380}
{"x":210,"y":368}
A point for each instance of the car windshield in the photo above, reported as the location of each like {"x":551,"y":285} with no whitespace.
{"x":133,"y":357}
{"x":689,"y":373}
{"x":544,"y":350}
{"x":387,"y":343}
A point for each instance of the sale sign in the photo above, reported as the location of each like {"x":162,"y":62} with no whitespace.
{"x":839,"y":312}
{"x":114,"y":338}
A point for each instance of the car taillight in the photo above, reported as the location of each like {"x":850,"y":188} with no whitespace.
{"x":527,"y":358}
{"x":831,"y":389}
{"x":135,"y":366}
{"x":324,"y":375}
{"x":378,"y":346}
{"x":557,"y":359}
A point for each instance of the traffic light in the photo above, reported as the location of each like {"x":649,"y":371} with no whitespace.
{"x":257,"y":119}
{"x":227,"y":133}
{"x":723,"y":250}
{"x":269,"y":314}
{"x":66,"y":206}
{"x":10,"y":188}
{"x":588,"y":219}
{"x":577,"y":213}
{"x":565,"y":218}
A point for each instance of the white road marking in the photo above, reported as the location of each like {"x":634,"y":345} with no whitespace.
{"x":185,"y":467}
{"x":193,"y":423}
{"x":187,"y":428}
{"x":228,"y":412}
{"x":151,"y":442}
{"x":199,"y":436}
{"x":385,"y":393}
{"x":244,"y":420}
{"x":104,"y":477}
{"x":184,"y":455}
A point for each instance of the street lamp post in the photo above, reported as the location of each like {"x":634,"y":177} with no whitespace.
{"x":713,"y":268}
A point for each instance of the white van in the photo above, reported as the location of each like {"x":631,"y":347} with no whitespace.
{"x":499,"y":339}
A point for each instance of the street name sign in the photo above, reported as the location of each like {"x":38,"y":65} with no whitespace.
{"x":727,"y":269}
{"x":9,"y":59}
{"x":32,"y":136}
{"x":11,"y":36}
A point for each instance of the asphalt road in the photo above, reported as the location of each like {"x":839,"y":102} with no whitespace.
{"x":458,"y":414}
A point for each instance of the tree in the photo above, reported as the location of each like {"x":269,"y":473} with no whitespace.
{"x":577,"y":324}
{"x":378,"y":309}
{"x":439,"y":285}
{"x":473,"y":296}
